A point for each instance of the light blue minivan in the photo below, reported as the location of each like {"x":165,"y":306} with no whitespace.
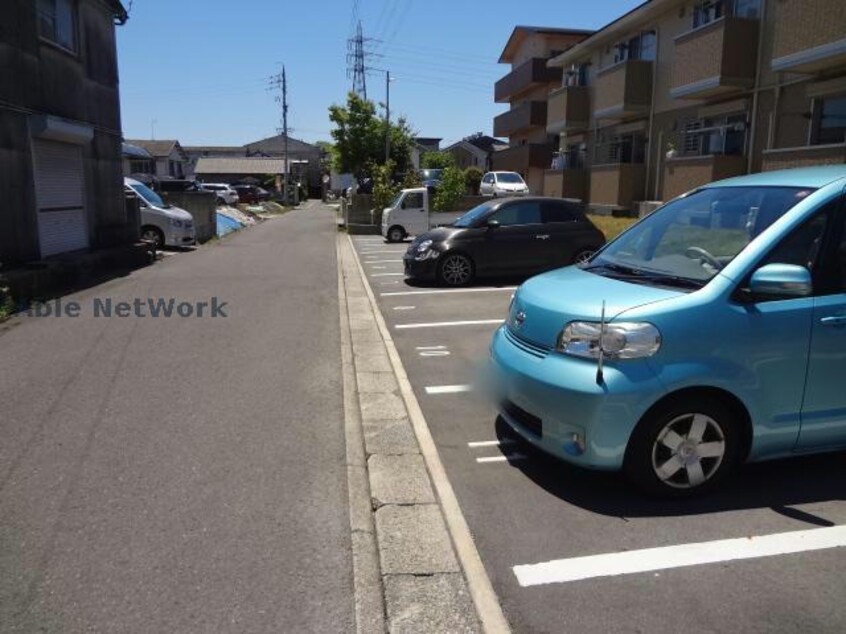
{"x":711,"y":332}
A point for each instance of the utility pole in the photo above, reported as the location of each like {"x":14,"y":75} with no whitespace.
{"x":387,"y":115}
{"x":285,"y":132}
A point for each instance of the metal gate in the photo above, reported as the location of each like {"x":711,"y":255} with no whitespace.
{"x":60,"y":192}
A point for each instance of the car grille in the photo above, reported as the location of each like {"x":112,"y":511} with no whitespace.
{"x":525,"y":345}
{"x":531,"y":423}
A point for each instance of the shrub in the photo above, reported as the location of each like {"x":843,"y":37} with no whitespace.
{"x":384,"y":189}
{"x":472,"y":179}
{"x":437,"y":160}
{"x":412,"y":179}
{"x":450,"y":190}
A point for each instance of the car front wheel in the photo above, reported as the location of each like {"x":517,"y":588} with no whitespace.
{"x":396,"y":234}
{"x":455,"y":269}
{"x":683,"y":449}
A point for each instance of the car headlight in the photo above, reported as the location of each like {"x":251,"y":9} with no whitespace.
{"x":623,"y":340}
{"x":424,"y":246}
{"x":424,"y":251}
{"x":175,"y":223}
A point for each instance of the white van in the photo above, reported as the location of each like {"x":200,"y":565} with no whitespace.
{"x":409,"y":215}
{"x":161,"y":223}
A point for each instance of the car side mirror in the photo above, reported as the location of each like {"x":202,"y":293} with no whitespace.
{"x":492,"y":224}
{"x":783,"y":281}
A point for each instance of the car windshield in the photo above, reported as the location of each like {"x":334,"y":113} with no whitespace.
{"x":431,"y":174}
{"x":688,"y":241}
{"x":396,"y":202}
{"x":470,"y":218}
{"x":149,"y":196}
{"x":508,"y":177}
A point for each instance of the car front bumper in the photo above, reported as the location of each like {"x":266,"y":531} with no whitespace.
{"x":555,"y":402}
{"x":180,"y":237}
{"x":420,"y":269}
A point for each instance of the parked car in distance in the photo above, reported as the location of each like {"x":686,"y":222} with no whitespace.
{"x":251,"y":194}
{"x":710,"y":333}
{"x":226,"y":195}
{"x":177,"y":185}
{"x":410,"y":214}
{"x":517,"y":236}
{"x":503,"y":184}
{"x":161,"y":223}
{"x":431,"y":177}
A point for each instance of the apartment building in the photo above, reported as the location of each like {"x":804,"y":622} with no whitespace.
{"x":678,"y":93}
{"x":526,"y":88}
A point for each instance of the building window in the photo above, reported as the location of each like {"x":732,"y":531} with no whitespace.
{"x":174,"y":168}
{"x":641,"y":46}
{"x":619,"y":148}
{"x":707,"y":12}
{"x":829,"y":122}
{"x":56,"y":22}
{"x":724,"y":135}
{"x":141,"y":166}
{"x":746,"y":8}
{"x":577,"y":75}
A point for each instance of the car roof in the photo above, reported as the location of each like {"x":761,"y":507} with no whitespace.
{"x":815,"y":177}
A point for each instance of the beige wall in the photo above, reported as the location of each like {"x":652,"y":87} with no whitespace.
{"x":804,"y":24}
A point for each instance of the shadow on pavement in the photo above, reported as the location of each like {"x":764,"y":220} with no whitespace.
{"x":777,"y":484}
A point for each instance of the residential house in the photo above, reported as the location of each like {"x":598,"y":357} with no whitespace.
{"x":137,"y":162}
{"x":678,"y":93}
{"x":236,"y":169}
{"x":196,"y":152}
{"x":420,"y":146}
{"x":526,"y":89}
{"x":476,"y":151}
{"x":307,"y":156}
{"x":60,"y":133}
{"x":170,"y":158}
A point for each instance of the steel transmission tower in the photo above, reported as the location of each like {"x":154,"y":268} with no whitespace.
{"x":356,"y":66}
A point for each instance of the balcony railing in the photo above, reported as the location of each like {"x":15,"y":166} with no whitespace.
{"x":681,"y":174}
{"x":806,"y":156}
{"x":527,"y":115}
{"x":623,"y":90}
{"x":521,"y":157}
{"x":716,"y":58}
{"x":809,"y":38}
{"x":530,"y":74}
{"x":568,"y":109}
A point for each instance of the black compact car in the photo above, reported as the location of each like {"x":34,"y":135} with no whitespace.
{"x":505,"y":237}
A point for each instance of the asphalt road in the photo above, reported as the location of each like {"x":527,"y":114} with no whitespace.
{"x":182,"y":474}
{"x":528,"y":508}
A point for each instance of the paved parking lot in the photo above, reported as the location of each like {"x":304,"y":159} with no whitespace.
{"x":525,"y":509}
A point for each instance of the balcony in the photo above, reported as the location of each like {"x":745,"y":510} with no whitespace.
{"x":617,"y":185}
{"x":808,"y":39}
{"x":806,"y":156}
{"x":568,"y":110}
{"x":527,"y":115}
{"x":717,"y":58}
{"x":683,"y":173}
{"x":521,"y":157}
{"x":531,"y":74}
{"x":623,"y":90}
{"x":566,"y":183}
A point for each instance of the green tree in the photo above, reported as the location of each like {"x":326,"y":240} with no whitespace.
{"x":450,"y":190}
{"x":411,"y":179}
{"x":437,"y":160}
{"x":472,"y":179}
{"x":360,"y":135}
{"x":384,"y":187}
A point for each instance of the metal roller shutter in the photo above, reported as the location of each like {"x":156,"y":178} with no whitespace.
{"x":60,"y":191}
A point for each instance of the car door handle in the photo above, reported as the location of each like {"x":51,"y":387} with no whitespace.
{"x":835,"y":320}
{"x":542,"y":237}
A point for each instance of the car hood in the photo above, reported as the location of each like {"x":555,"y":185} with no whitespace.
{"x":550,"y":301}
{"x":176,"y":213}
{"x":438,"y":234}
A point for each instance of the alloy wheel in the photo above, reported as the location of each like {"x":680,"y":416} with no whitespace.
{"x":456,"y":270}
{"x":688,"y":451}
{"x":582,"y":257}
{"x":151,"y":235}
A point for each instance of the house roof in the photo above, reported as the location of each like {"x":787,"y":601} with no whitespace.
{"x":276,"y":145}
{"x":520,"y":33}
{"x":156,"y":148}
{"x":215,"y":149}
{"x":133,"y":151}
{"x":487,"y":143}
{"x":241,"y":165}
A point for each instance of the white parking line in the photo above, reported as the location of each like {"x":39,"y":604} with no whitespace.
{"x":509,"y":458}
{"x":430,"y":348}
{"x":404,"y":307}
{"x":448,"y":389}
{"x":382,"y":261}
{"x":436,"y":353}
{"x":386,"y":283}
{"x":444,"y":324}
{"x":635,"y":561}
{"x":379,"y":268}
{"x":387,"y":274}
{"x":490,"y":443}
{"x":451,"y":290}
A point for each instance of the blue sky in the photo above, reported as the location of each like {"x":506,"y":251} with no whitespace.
{"x":197,"y":70}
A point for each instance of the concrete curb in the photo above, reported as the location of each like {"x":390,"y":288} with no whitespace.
{"x":367,"y":576}
{"x":423,"y":594}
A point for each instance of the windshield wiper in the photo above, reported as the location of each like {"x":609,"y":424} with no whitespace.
{"x":642,"y":275}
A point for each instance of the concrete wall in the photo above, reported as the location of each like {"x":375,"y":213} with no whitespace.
{"x":804,"y":24}
{"x":202,"y":207}
{"x":40,"y":79}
